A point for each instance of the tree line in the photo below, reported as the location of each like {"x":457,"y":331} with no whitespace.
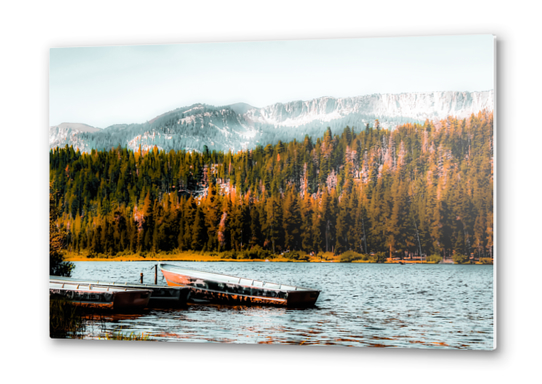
{"x":418,"y":189}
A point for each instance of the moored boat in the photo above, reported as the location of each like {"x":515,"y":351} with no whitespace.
{"x":207,"y":287}
{"x":89,"y":296}
{"x":162,"y":296}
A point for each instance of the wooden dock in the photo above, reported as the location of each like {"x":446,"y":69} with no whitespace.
{"x":161,"y":296}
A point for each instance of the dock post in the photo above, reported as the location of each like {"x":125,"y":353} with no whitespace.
{"x":155,"y":274}
{"x":141,"y":277}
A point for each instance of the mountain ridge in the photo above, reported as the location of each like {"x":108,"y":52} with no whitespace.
{"x":242,"y":126}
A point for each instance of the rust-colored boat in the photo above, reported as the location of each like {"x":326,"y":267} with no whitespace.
{"x":89,"y":296}
{"x":207,"y":287}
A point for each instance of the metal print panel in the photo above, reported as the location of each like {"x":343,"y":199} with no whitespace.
{"x":317,"y":192}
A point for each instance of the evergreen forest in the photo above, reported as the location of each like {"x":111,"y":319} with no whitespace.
{"x":419,"y":189}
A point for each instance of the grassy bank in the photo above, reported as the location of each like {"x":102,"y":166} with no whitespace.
{"x":202,"y":256}
{"x":294,"y":257}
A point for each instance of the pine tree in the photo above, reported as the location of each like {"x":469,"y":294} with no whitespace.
{"x":148,"y":222}
{"x":57,"y":265}
{"x":255,"y":228}
{"x":199,"y":233}
{"x":224,"y":227}
{"x":343,"y":225}
{"x":273,"y":226}
{"x":212,"y":216}
{"x":306,"y":224}
{"x":292,"y":221}
{"x":316,"y":230}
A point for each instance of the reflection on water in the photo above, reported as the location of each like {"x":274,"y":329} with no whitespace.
{"x":376,"y":305}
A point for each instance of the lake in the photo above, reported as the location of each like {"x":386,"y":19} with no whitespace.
{"x":364,"y":305}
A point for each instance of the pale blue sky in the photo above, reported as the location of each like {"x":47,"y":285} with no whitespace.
{"x":101,"y":86}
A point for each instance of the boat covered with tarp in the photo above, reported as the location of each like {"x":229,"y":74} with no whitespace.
{"x":88,"y":295}
{"x":208,"y":287}
{"x":162,"y":296}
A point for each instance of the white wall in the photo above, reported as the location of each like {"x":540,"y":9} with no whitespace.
{"x":29,"y":30}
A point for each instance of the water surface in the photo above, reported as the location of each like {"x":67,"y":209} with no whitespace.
{"x":378,"y":305}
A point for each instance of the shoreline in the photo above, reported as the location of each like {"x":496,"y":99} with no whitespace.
{"x":192,"y":257}
{"x":198,"y":257}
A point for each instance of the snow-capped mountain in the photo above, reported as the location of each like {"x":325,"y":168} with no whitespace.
{"x":418,"y":106}
{"x":239,"y":126}
{"x":70,"y":133}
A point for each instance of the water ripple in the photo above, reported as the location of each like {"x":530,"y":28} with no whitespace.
{"x":371,"y":305}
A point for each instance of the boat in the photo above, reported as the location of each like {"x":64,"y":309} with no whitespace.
{"x":96,"y":297}
{"x":162,"y":296}
{"x":207,"y":287}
